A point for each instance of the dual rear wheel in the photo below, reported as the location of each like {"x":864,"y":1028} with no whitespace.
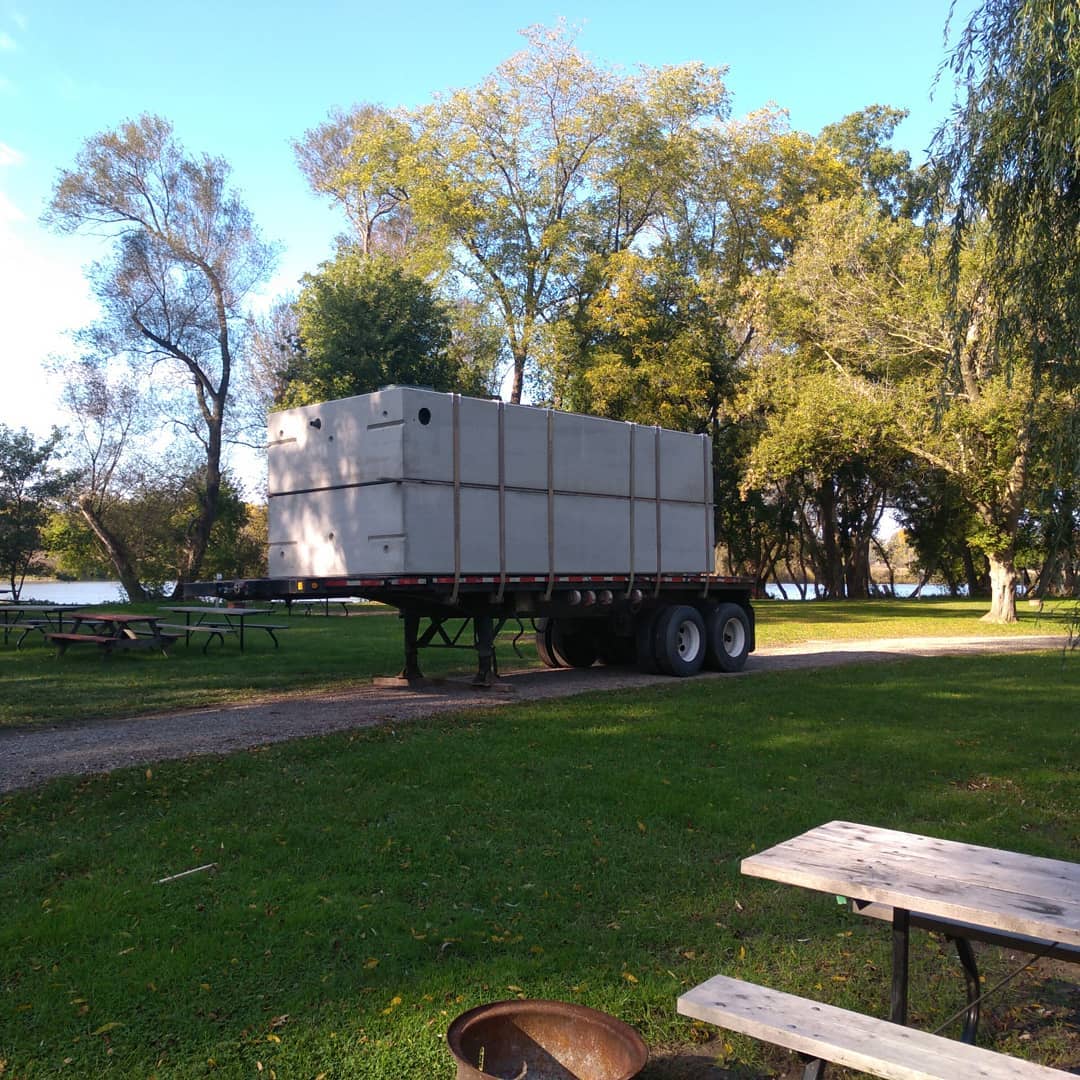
{"x":678,"y":640}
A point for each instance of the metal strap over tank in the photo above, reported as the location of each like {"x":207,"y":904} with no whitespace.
{"x":502,"y":502}
{"x":550,"y":502}
{"x":659,"y":534}
{"x":455,"y":412}
{"x":706,"y":487}
{"x":630,"y":583}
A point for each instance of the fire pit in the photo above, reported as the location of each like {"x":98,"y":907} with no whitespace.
{"x":544,"y":1040}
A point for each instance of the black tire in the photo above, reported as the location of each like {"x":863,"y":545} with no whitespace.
{"x":545,"y":645}
{"x":617,"y":651}
{"x":645,"y":642}
{"x":728,"y":628}
{"x":680,"y":640}
{"x":573,"y":646}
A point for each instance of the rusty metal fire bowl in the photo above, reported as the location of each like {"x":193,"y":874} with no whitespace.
{"x":544,"y":1040}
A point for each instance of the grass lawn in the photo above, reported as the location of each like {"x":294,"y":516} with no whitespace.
{"x":330,"y":653}
{"x":369,"y":887}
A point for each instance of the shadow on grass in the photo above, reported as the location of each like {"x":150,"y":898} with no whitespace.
{"x":371,"y":886}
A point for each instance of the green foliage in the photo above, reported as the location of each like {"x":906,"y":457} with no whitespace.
{"x":521,"y":185}
{"x":153,"y":517}
{"x":1008,"y":157}
{"x":365,"y":322}
{"x":30,"y":487}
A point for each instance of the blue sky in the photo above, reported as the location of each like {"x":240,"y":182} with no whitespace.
{"x":242,"y":80}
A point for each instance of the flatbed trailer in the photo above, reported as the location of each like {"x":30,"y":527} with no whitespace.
{"x":467,"y":513}
{"x":675,"y":624}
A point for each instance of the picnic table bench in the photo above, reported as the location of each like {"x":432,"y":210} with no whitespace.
{"x":1023,"y":902}
{"x":21,"y":619}
{"x":826,"y":1033}
{"x":211,"y":630}
{"x":113,"y":633}
{"x":222,"y":620}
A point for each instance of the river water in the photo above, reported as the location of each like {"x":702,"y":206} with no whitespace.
{"x":72,"y":592}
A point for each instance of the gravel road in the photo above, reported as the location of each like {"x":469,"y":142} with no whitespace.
{"x":33,"y":755}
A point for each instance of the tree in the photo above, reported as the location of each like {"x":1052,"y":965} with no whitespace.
{"x":364,"y":322}
{"x":861,"y":297}
{"x":30,"y":487}
{"x":669,"y":335}
{"x":186,"y":255}
{"x":520,"y":186}
{"x":1008,"y":158}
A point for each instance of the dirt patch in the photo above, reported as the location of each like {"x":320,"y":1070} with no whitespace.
{"x":33,"y":755}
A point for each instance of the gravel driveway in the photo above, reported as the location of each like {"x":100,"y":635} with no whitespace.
{"x":33,"y":755}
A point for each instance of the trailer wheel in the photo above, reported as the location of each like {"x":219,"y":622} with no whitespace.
{"x":617,"y":651}
{"x":574,"y":647}
{"x":545,"y":644}
{"x":728,"y":638}
{"x":680,"y":640}
{"x":645,"y":642}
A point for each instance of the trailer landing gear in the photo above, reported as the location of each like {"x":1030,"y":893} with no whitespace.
{"x":438,"y":635}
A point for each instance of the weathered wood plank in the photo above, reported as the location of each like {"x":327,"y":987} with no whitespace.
{"x":949,"y":859}
{"x":846,"y":1038}
{"x":1006,"y":891}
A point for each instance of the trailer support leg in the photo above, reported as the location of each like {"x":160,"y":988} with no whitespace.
{"x":412,"y":648}
{"x":485,"y":650}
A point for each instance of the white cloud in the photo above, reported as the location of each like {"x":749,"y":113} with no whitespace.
{"x":9,"y":213}
{"x":45,"y":295}
{"x":9,"y":155}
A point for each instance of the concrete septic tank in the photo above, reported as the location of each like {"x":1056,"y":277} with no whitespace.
{"x":409,"y":481}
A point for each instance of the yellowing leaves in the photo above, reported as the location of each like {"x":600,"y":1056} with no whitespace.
{"x":371,"y":963}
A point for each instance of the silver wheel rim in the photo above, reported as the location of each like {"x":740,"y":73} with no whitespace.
{"x":688,"y":644}
{"x":734,"y":637}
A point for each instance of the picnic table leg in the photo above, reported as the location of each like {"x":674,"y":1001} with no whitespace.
{"x":901,"y":934}
{"x":971,"y":978}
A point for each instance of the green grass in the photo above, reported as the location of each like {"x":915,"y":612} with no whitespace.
{"x":331,"y":653}
{"x":370,"y":887}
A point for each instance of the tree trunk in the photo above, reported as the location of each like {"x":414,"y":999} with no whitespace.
{"x":1003,"y":577}
{"x":117,"y":552}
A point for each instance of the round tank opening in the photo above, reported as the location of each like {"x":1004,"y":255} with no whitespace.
{"x":424,"y":416}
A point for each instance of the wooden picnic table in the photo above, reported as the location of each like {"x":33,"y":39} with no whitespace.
{"x":234,"y":618}
{"x":1022,"y":902}
{"x":112,"y":631}
{"x":22,"y":618}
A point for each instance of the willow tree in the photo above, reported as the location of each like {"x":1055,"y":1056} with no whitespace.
{"x":185,"y":256}
{"x":1009,"y":161}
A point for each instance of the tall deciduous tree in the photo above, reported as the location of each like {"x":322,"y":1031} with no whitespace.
{"x":364,"y":322}
{"x":30,"y":487}
{"x":861,"y":298}
{"x":521,"y":185}
{"x":186,"y":255}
